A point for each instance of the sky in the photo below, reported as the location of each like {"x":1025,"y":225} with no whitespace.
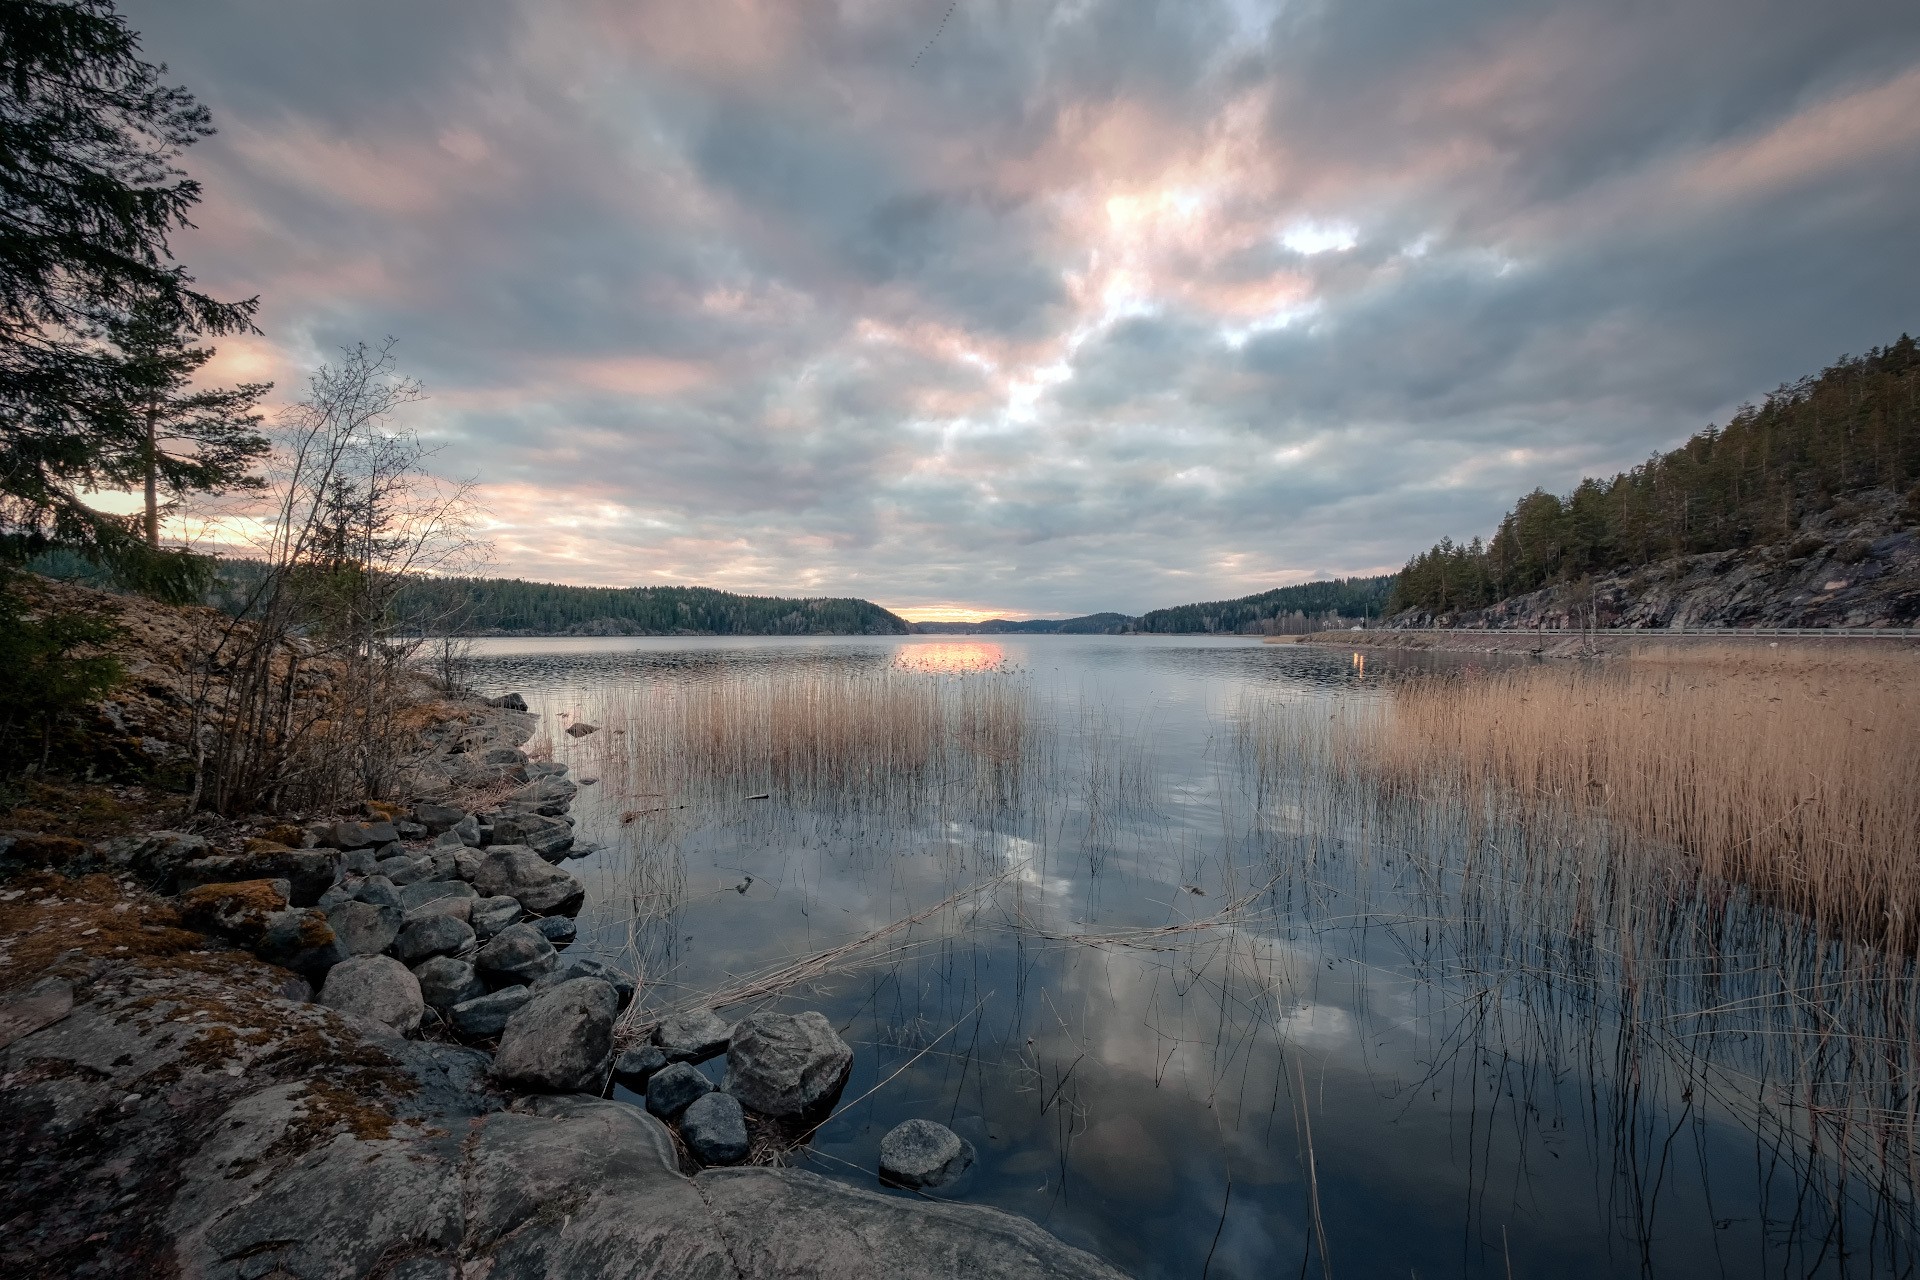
{"x":1005,"y":307}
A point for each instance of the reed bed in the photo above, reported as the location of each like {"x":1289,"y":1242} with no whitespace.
{"x":1795,"y":773}
{"x":812,"y":730}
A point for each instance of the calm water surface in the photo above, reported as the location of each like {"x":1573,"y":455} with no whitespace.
{"x":1366,"y":1070}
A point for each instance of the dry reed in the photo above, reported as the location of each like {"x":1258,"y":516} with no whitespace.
{"x":1793,"y":772}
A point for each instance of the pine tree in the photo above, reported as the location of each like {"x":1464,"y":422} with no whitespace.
{"x":88,"y":198}
{"x":183,"y":439}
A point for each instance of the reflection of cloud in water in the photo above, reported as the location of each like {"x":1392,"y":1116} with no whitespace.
{"x":1119,"y":1155}
{"x":1317,"y":1026}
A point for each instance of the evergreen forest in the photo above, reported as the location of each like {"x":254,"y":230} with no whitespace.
{"x":1854,"y":426}
{"x":481,"y":606}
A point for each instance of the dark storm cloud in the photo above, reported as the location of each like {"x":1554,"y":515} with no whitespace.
{"x":1098,"y":305}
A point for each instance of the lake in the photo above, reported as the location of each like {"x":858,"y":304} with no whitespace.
{"x":1201,"y":1006}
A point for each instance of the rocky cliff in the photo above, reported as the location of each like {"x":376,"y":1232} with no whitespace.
{"x":1856,"y":565}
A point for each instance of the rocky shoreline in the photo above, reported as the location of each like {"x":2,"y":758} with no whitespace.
{"x":356,"y":1047}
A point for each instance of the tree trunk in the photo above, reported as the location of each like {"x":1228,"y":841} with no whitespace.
{"x":153,"y":479}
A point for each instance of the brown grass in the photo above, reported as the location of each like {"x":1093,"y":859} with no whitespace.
{"x":1795,"y":772}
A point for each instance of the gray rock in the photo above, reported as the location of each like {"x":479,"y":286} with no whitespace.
{"x":545,"y":768}
{"x":715,"y":1129}
{"x":588,"y":967}
{"x":489,"y":916}
{"x":782,"y":1064}
{"x":693,"y":1037}
{"x":519,"y":872}
{"x":560,"y":1041}
{"x":437,"y":818}
{"x":425,"y":891}
{"x":468,"y":829}
{"x":509,"y":702}
{"x":404,"y":870}
{"x":359,"y":862}
{"x":300,"y":939}
{"x":391,"y":849}
{"x":430,"y":936}
{"x":487,"y":1015}
{"x":635,"y":1067}
{"x":364,"y":928}
{"x":359,"y":835}
{"x":674,"y":1087}
{"x":309,"y":872}
{"x":466,"y":863}
{"x":412,"y":830}
{"x":156,"y":856}
{"x":549,"y":795}
{"x":920,"y":1153}
{"x":503,"y":756}
{"x":580,"y":729}
{"x":559,"y":930}
{"x":517,"y":954}
{"x":375,"y":987}
{"x":454,"y":908}
{"x":378,"y":890}
{"x":550,"y":837}
{"x":445,"y":982}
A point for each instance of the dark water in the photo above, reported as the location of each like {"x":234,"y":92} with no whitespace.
{"x":1398,"y":1058}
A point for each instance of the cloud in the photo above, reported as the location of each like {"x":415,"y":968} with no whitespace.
{"x":1096,"y":305}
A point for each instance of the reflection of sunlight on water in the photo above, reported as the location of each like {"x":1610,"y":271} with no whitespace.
{"x":951,"y":658}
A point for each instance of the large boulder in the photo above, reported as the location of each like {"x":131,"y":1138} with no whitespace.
{"x":364,"y":928}
{"x":487,"y":1015}
{"x":517,"y":954}
{"x":694,"y":1036}
{"x":550,"y":837}
{"x":920,"y":1153}
{"x":405,"y":869}
{"x":518,"y":872}
{"x":715,"y":1129}
{"x":784,"y":1064}
{"x":376,"y":987}
{"x":560,"y":1041}
{"x":445,"y":982}
{"x":430,"y":936}
{"x":588,"y":967}
{"x":636,"y":1066}
{"x":158,"y":856}
{"x":239,"y":911}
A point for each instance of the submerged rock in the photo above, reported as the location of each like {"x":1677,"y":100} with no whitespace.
{"x":693,"y":1037}
{"x":674,"y":1087}
{"x":560,"y":1041}
{"x":376,"y":987}
{"x":518,"y":872}
{"x":715,"y":1129}
{"x":783,"y":1064}
{"x":920,"y":1153}
{"x":517,"y":954}
{"x":487,"y":1015}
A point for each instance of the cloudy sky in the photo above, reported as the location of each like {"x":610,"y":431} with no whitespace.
{"x":1044,"y":308}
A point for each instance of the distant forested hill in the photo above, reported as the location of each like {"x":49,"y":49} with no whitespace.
{"x":1768,"y":476}
{"x":1091,"y":624}
{"x":493,"y":605}
{"x":1304,"y":607}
